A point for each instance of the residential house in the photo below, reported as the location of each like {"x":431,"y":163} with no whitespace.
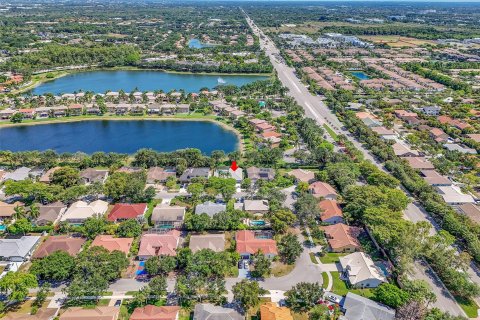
{"x":454,"y":196}
{"x":7,"y":210}
{"x":27,"y":113}
{"x":438,"y":135}
{"x":210,"y":208}
{"x":89,"y":176}
{"x":471,"y":210}
{"x":124,"y":211}
{"x":254,"y":174}
{"x":331,"y":211}
{"x":271,"y":311}
{"x":359,"y":308}
{"x":111,"y":243}
{"x":385,"y":133}
{"x":59,"y":243}
{"x":212,"y":241}
{"x":50,"y":213}
{"x":75,"y":110}
{"x":420,"y":163}
{"x":256,"y":206}
{"x":41,"y":314}
{"x":97,"y":313}
{"x":47,"y":176}
{"x":360,"y":271}
{"x":459,"y":148}
{"x":228,"y":172}
{"x":81,"y":211}
{"x":248,"y":244}
{"x":431,"y":110}
{"x":402,"y":150}
{"x":19,"y":174}
{"x":342,"y":238}
{"x":321,"y":189}
{"x":165,"y":216}
{"x":159,"y":175}
{"x":302,"y":175}
{"x":474,"y":136}
{"x":434,"y":178}
{"x":194,"y":173}
{"x":150,"y":312}
{"x":165,"y":244}
{"x":18,"y":250}
{"x":207,"y":311}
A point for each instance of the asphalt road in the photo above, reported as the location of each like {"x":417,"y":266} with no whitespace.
{"x":316,"y":109}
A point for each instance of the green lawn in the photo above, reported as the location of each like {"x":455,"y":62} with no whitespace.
{"x":325,"y":280}
{"x":469,"y":306}
{"x":331,"y":132}
{"x":331,"y":257}
{"x":312,"y":257}
{"x":152,"y":204}
{"x":340,"y":287}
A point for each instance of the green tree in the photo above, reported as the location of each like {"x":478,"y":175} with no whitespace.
{"x":307,"y":208}
{"x":198,"y":222}
{"x":93,"y":226}
{"x":247,"y":293}
{"x":262,"y":266}
{"x":129,"y":228}
{"x":158,"y":286}
{"x":15,"y":285}
{"x":289,"y":248}
{"x":57,"y":266}
{"x":391,"y":295}
{"x":42,"y":295}
{"x":304,"y":296}
{"x":319,"y":312}
{"x":16,"y":118}
{"x":66,"y":177}
{"x":21,"y":226}
{"x":282,"y":219}
{"x":160,"y":265}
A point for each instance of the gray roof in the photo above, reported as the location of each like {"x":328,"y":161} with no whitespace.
{"x":212,"y":241}
{"x":360,"y":308}
{"x":50,"y":212}
{"x":164,"y":212}
{"x":194,"y":173}
{"x":210,"y":208}
{"x":18,"y":175}
{"x":17,"y":247}
{"x":207,"y":311}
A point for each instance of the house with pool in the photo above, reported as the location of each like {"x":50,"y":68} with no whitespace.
{"x":249,"y":242}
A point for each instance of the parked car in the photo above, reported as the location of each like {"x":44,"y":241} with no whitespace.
{"x":118,"y":303}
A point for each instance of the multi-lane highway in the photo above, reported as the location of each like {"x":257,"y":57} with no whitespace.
{"x":316,"y":109}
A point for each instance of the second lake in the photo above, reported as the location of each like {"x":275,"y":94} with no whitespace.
{"x":141,"y":80}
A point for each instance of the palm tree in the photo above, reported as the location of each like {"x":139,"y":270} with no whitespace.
{"x":34,"y":211}
{"x":19,"y":212}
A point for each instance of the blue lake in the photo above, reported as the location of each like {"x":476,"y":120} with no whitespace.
{"x":122,"y":136}
{"x":360,"y":75}
{"x":197,"y":44}
{"x":141,"y":80}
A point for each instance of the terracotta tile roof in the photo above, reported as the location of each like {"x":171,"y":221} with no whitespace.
{"x":127,"y":211}
{"x":150,"y":312}
{"x":340,"y":235}
{"x":42,"y":314}
{"x":303,"y":175}
{"x":420,"y":163}
{"x":247,"y":243}
{"x":110,"y":243}
{"x":271,"y":134}
{"x":322,"y":189}
{"x":98,"y":313}
{"x":159,"y":244}
{"x":270,"y":311}
{"x":59,"y":243}
{"x":330,"y":209}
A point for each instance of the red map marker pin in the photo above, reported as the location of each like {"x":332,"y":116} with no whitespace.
{"x":234,"y":166}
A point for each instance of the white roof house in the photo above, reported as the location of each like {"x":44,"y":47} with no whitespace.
{"x":17,"y":249}
{"x":360,"y":270}
{"x":256,"y":206}
{"x":453,"y":195}
{"x":80,"y":211}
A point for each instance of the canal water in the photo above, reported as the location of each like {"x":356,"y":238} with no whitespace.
{"x":122,"y":136}
{"x":141,"y":80}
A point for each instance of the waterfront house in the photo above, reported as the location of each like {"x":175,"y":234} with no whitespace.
{"x":165,"y":244}
{"x":75,"y":110}
{"x":65,"y":243}
{"x":342,"y":238}
{"x":183,"y":108}
{"x":60,"y":111}
{"x":360,"y":271}
{"x":165,"y":216}
{"x":111,"y":243}
{"x":125,"y":211}
{"x":97,"y":313}
{"x":27,"y":113}
{"x":43,"y":112}
{"x":19,"y":174}
{"x":154,"y":109}
{"x":47,"y":176}
{"x":18,"y":250}
{"x":190,"y":173}
{"x":159,"y":175}
{"x":321,"y":189}
{"x":228,"y":172}
{"x":150,"y":312}
{"x":254,"y":174}
{"x":6,"y":114}
{"x":207,"y":311}
{"x":248,"y":243}
{"x":212,"y":241}
{"x":90,"y":175}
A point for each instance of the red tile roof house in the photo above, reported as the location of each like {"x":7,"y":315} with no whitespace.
{"x":59,"y":243}
{"x":27,"y":113}
{"x":248,"y":244}
{"x":342,"y":238}
{"x":159,"y":244}
{"x":150,"y":312}
{"x":322,"y":190}
{"x":331,"y":212}
{"x":111,"y":244}
{"x":124,"y":211}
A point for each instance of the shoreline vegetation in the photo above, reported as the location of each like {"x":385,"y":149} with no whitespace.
{"x":181,"y":117}
{"x":41,"y":78}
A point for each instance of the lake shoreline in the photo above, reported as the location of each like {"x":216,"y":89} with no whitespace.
{"x":67,"y":72}
{"x":212,"y":119}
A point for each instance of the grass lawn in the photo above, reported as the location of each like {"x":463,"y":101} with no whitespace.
{"x":300,"y":316}
{"x":312,"y":257}
{"x":280,"y":269}
{"x":184,"y":314}
{"x":331,"y":132}
{"x":103,"y":302}
{"x":469,"y":306}
{"x":324,"y":280}
{"x":331,"y":257}
{"x":340,"y":287}
{"x":152,"y":204}
{"x":130,"y":293}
